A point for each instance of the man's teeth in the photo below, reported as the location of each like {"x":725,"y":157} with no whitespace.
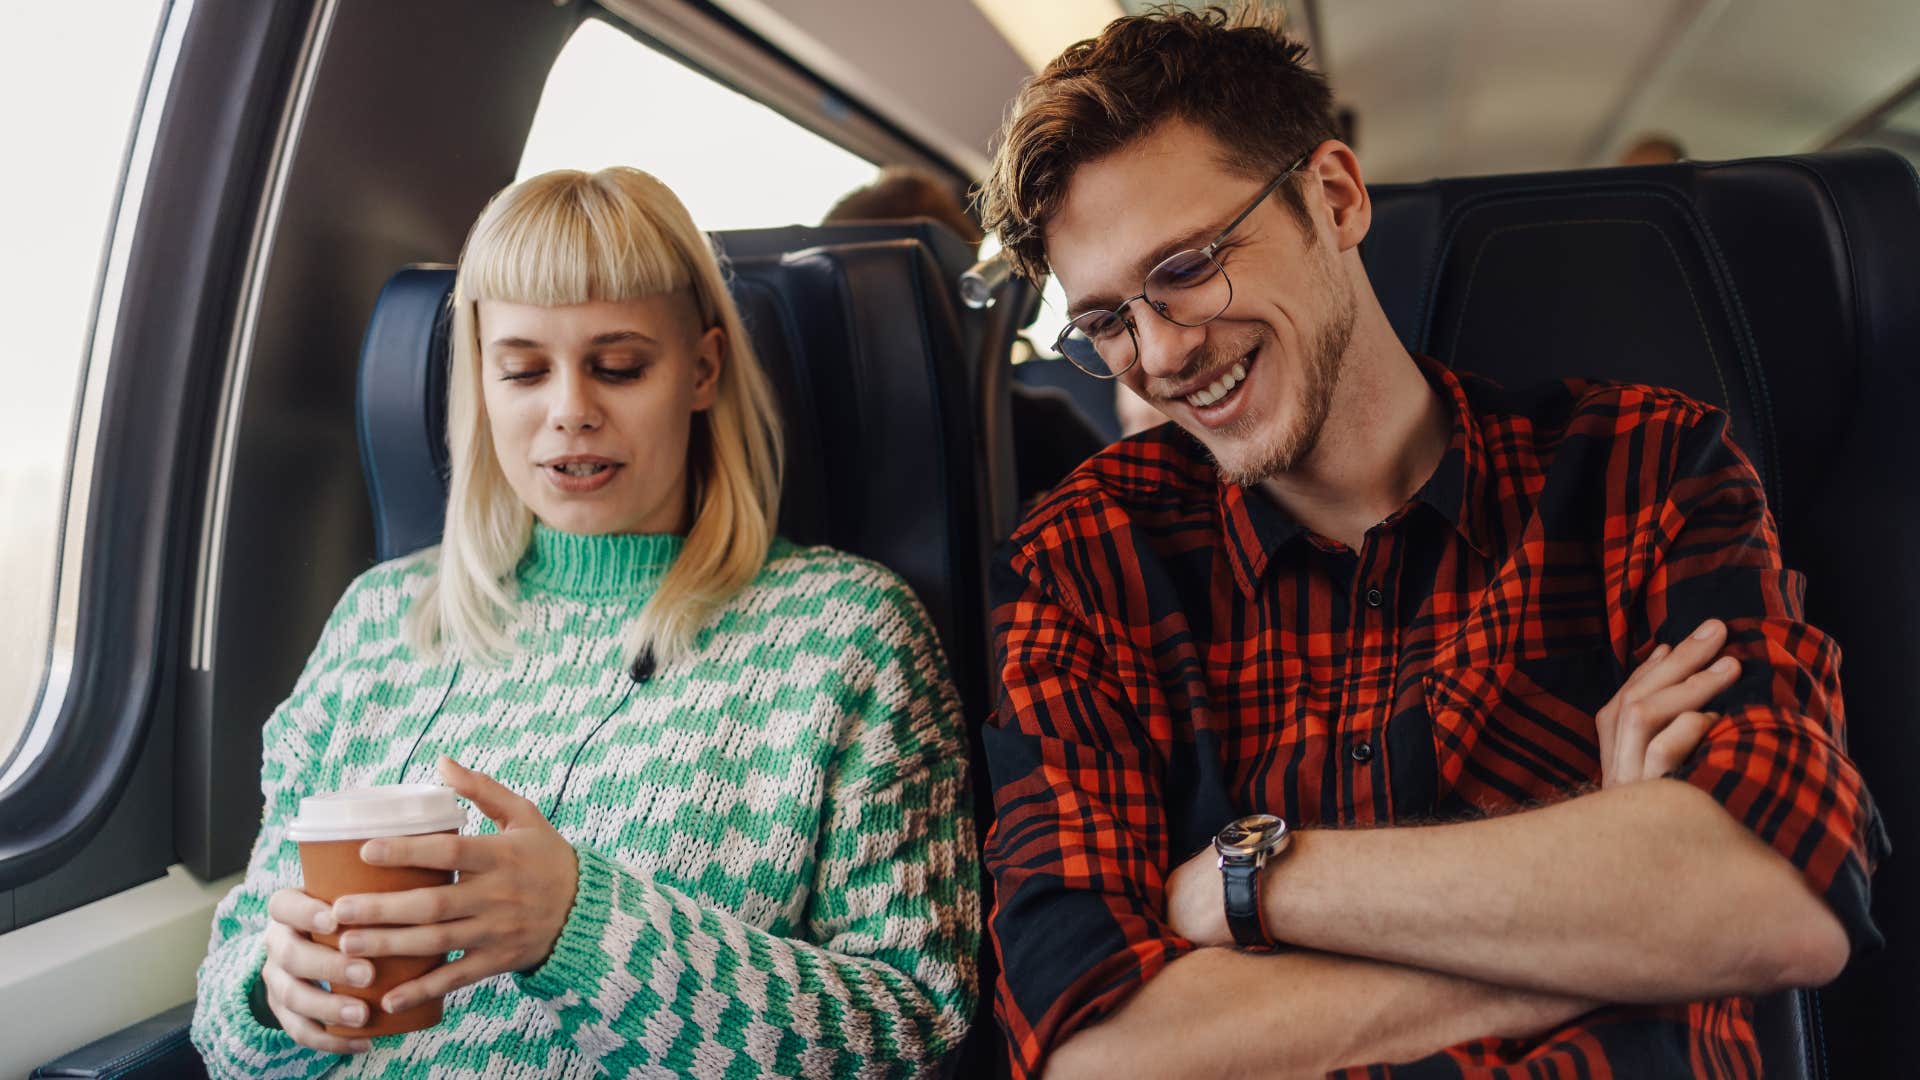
{"x":1200,"y":399}
{"x":582,"y":468}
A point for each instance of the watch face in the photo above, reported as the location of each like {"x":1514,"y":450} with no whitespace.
{"x":1250,"y":835}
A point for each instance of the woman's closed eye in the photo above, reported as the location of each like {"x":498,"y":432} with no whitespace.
{"x":620,"y":369}
{"x":612,"y":370}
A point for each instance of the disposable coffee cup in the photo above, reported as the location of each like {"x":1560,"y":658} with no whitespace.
{"x":330,"y":830}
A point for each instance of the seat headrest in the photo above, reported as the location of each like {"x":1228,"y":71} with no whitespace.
{"x":1719,"y":280}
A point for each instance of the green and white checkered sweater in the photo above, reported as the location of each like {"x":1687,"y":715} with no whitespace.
{"x":777,"y":867}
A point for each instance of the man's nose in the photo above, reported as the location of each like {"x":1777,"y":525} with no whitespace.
{"x":1164,"y":345}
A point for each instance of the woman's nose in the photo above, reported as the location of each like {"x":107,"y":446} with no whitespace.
{"x":574,"y":407}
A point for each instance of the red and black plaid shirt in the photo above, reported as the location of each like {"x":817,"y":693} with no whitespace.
{"x":1176,"y":652}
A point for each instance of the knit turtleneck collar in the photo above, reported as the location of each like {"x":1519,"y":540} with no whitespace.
{"x":604,"y":566}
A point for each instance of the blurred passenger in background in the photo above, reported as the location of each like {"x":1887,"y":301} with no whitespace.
{"x":902,"y":192}
{"x":1051,"y":432}
{"x":1654,"y":150}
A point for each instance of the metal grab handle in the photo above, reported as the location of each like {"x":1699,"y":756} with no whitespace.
{"x":983,"y":279}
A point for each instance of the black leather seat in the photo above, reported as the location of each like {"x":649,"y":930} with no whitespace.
{"x":985,"y":336}
{"x":1784,"y":291}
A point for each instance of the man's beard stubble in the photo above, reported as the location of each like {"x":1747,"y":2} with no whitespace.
{"x":1271,"y":449}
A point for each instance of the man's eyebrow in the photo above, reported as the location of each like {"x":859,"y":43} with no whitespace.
{"x":1158,"y":255}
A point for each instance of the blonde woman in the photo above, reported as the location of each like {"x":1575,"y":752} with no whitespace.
{"x":721,"y":820}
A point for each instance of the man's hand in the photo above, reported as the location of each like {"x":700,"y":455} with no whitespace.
{"x":1646,"y":731}
{"x":505,"y":912}
{"x":1653,"y":723}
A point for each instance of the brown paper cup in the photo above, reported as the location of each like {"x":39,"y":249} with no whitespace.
{"x":333,"y":869}
{"x":330,"y":830}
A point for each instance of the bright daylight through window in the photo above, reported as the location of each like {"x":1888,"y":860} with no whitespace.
{"x":737,"y":164}
{"x":69,"y":94}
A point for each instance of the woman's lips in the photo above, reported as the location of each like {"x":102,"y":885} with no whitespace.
{"x":580,"y":477}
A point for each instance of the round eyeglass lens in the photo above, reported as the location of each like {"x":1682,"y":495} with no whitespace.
{"x":1189,"y":288}
{"x":1099,"y":344}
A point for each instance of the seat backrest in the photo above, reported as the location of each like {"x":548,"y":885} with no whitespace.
{"x":985,"y":335}
{"x":1782,"y":290}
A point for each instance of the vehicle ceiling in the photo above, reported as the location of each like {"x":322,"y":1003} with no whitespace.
{"x":1440,"y":87}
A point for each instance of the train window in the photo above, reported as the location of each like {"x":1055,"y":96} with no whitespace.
{"x":613,"y":100}
{"x":64,"y":186}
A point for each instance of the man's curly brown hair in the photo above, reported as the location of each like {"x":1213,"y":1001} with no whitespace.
{"x":1234,"y":74}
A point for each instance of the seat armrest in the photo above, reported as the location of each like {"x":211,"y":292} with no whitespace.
{"x":155,"y":1047}
{"x":1787,"y":1027}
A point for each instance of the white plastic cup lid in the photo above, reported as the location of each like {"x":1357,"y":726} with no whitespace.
{"x":366,"y":813}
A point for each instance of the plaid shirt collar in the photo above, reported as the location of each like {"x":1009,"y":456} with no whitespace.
{"x":1256,"y":528}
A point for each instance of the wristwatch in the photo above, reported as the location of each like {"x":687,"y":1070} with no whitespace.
{"x":1245,"y":847}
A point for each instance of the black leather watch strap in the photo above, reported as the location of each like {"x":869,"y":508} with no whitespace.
{"x":1242,"y":880}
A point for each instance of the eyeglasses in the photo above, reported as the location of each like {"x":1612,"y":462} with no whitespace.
{"x":1187,"y":288}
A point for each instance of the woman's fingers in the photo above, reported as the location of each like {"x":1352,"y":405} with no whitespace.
{"x":304,"y":959}
{"x":300,"y":911}
{"x":303,"y":1007}
{"x":435,"y":851}
{"x":440,"y":982}
{"x":433,"y":939}
{"x":1672,"y":747}
{"x":305,"y":999}
{"x":411,"y":907}
{"x":313,"y":1036}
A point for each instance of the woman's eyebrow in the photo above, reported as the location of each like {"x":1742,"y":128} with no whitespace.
{"x":614,"y":337}
{"x":611,"y":337}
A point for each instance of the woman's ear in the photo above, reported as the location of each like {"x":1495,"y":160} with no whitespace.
{"x":709,"y":358}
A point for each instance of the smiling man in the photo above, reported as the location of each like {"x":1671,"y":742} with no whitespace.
{"x":1371,"y":714}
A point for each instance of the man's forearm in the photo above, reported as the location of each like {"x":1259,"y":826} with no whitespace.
{"x":1647,"y":892}
{"x":1221,"y":1013}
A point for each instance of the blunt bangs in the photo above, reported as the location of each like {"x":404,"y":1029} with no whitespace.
{"x":570,"y":237}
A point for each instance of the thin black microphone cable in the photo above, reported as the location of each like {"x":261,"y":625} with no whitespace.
{"x":432,"y":718}
{"x":638,"y":675}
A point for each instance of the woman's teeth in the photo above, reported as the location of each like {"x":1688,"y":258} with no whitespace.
{"x":1223,"y":386}
{"x":583,"y":468}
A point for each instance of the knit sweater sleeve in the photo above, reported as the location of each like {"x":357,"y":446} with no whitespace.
{"x":644,"y":977}
{"x":231,"y":1036}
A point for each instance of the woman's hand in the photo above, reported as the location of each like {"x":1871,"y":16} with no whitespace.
{"x":295,"y":961}
{"x":1653,"y":722}
{"x":505,"y":912}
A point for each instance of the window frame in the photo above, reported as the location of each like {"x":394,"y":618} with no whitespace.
{"x":715,"y":45}
{"x":102,"y":769}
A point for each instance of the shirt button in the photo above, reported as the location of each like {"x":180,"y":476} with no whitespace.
{"x":1375,"y":597}
{"x":1362,"y":752}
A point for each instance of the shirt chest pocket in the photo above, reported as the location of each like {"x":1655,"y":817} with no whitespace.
{"x":1517,"y":732}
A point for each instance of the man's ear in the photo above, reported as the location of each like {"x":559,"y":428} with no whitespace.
{"x":709,"y":359}
{"x":1344,"y":191}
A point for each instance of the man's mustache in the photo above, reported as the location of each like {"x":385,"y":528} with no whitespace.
{"x":1209,"y":359}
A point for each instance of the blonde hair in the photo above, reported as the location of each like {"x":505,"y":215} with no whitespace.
{"x":569,"y":237}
